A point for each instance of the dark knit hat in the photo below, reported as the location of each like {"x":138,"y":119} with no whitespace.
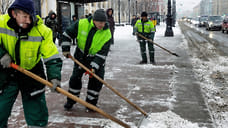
{"x":24,"y":5}
{"x":99,"y":15}
{"x":143,"y":14}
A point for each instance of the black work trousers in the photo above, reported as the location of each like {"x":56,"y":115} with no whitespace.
{"x":94,"y":86}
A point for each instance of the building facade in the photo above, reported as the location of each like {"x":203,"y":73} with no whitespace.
{"x":212,"y":7}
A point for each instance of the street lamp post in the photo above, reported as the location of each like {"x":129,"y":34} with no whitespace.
{"x":169,"y":31}
{"x":119,"y":11}
{"x":129,"y":6}
{"x":136,"y":8}
{"x":174,"y":13}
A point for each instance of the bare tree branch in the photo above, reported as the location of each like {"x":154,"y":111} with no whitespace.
{"x":5,"y":5}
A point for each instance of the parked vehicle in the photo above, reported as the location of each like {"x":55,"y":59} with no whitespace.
{"x":189,"y":20}
{"x":225,"y":25}
{"x":214,"y":22}
{"x":202,"y":21}
{"x":195,"y":21}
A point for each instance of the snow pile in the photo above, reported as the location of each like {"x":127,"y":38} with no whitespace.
{"x":111,"y":124}
{"x":210,"y":74}
{"x":166,"y":120}
{"x":158,"y":120}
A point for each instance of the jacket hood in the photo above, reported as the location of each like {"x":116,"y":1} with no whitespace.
{"x":51,"y":13}
{"x":38,"y":21}
{"x":108,"y":11}
{"x":24,"y":5}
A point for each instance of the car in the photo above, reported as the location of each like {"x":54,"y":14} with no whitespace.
{"x":189,"y":20}
{"x":214,"y":22}
{"x":195,"y":21}
{"x":202,"y":21}
{"x":225,"y":25}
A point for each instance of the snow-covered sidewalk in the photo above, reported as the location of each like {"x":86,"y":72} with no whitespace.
{"x":168,"y":91}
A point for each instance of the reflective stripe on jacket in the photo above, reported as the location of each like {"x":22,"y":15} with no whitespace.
{"x":38,"y":43}
{"x":148,"y":26}
{"x":99,"y":38}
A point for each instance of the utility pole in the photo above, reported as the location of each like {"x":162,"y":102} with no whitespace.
{"x":169,"y":30}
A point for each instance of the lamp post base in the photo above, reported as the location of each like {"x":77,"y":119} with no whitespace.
{"x":169,"y":31}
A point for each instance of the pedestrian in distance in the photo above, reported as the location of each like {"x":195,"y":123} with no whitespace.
{"x":133,"y":20}
{"x":146,"y":28}
{"x":111,"y":22}
{"x":74,"y":19}
{"x":93,"y":42}
{"x":24,"y":40}
{"x":52,"y":23}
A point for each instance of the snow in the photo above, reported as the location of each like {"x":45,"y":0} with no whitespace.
{"x":210,"y":73}
{"x":58,"y":118}
{"x":166,"y":120}
{"x":216,"y":96}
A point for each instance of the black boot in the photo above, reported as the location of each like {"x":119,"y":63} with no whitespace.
{"x":142,"y":62}
{"x":89,"y":110}
{"x":93,"y":102}
{"x":68,"y":105}
{"x":153,"y":62}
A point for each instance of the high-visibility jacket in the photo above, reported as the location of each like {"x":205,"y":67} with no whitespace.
{"x":85,"y":31}
{"x":144,"y":27}
{"x":37,"y":44}
{"x":99,"y":38}
{"x":154,"y":22}
{"x":34,"y":45}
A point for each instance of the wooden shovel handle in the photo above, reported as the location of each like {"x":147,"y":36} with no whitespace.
{"x":157,"y":45}
{"x":107,"y":85}
{"x":73,"y":97}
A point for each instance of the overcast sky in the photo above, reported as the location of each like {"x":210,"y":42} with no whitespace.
{"x":184,"y":5}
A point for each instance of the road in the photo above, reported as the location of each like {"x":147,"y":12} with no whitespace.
{"x":210,"y":48}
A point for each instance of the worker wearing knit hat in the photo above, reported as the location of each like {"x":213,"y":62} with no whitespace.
{"x":146,"y":28}
{"x":93,"y":42}
{"x":24,"y":5}
{"x":144,"y":14}
{"x":27,"y":43}
{"x":99,"y":15}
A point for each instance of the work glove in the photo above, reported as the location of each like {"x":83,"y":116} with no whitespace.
{"x":135,"y":33}
{"x":66,"y":54}
{"x":5,"y":61}
{"x":88,"y":73}
{"x":151,"y":36}
{"x":55,"y":83}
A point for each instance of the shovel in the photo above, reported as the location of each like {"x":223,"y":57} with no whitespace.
{"x":143,"y":119}
{"x":107,"y":85}
{"x":75,"y":98}
{"x":158,"y":45}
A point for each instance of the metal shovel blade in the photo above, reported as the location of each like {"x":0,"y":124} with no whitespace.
{"x":144,"y":121}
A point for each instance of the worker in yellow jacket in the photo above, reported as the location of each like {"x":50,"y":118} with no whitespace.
{"x":146,"y":28}
{"x":24,"y":40}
